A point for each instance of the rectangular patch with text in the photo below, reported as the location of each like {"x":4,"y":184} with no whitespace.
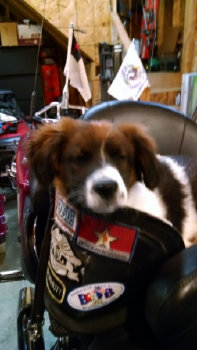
{"x":110,"y":240}
{"x":55,"y":286}
{"x":65,"y":215}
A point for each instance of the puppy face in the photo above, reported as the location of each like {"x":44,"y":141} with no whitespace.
{"x":93,"y":164}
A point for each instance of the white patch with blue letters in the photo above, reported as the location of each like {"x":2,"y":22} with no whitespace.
{"x":94,"y":296}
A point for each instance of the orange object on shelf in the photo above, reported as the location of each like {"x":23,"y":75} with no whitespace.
{"x":51,"y":83}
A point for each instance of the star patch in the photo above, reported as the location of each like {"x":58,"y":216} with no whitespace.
{"x":104,"y":239}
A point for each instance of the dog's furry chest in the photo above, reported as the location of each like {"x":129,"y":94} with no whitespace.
{"x":173,"y":199}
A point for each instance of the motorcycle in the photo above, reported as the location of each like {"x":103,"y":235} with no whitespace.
{"x":12,"y":127}
{"x":3,"y":225}
{"x":113,"y":296}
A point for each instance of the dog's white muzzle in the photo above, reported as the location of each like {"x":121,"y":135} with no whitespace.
{"x":105,"y":190}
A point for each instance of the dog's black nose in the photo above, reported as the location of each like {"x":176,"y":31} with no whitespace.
{"x":105,"y":188}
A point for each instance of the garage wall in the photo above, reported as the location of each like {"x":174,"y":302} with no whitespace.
{"x":90,"y":16}
{"x":17,"y":72}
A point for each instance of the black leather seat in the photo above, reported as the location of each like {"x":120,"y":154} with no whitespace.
{"x":171,"y":301}
{"x":173,"y":133}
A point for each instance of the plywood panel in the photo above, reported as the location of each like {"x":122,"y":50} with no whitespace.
{"x":87,"y":37}
{"x":101,"y":12}
{"x":159,"y":98}
{"x":164,"y":81}
{"x":168,"y":12}
{"x":96,"y":91}
{"x":160,"y":27}
{"x":190,"y":35}
{"x":90,"y":49}
{"x":84,"y":10}
{"x":84,"y":14}
{"x":171,"y":98}
{"x":166,"y":98}
{"x":145,"y":96}
{"x":194,"y":61}
{"x":102,"y":34}
{"x":176,"y":13}
{"x":67,"y":16}
{"x":182,"y":12}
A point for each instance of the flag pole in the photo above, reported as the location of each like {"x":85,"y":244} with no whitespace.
{"x":65,"y":95}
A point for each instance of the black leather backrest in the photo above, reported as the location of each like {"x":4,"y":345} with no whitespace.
{"x":173,"y":132}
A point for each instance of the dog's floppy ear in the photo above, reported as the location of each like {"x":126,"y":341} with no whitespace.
{"x":147,"y":165}
{"x":44,"y":149}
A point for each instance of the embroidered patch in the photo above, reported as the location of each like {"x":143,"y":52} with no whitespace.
{"x":114,"y":241}
{"x":65,"y":215}
{"x":62,"y":258}
{"x":55,"y":286}
{"x":94,"y":296}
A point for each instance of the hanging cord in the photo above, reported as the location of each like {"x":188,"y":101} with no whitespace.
{"x":38,"y":306}
{"x":33,"y":96}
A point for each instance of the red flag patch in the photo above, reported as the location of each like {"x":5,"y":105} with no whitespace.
{"x":107,"y":239}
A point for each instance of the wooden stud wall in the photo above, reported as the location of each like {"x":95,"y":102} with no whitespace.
{"x":94,"y":18}
{"x":90,"y":16}
{"x":189,"y":58}
{"x":183,"y":14}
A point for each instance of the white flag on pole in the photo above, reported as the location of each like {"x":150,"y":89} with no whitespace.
{"x":76,"y":71}
{"x":131,"y":78}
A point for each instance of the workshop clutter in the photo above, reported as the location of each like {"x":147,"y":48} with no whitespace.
{"x":14,"y":34}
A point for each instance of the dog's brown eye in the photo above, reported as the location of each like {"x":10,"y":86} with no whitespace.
{"x":82,"y":157}
{"x":121,"y":156}
{"x":115,"y":151}
{"x":117,"y":155}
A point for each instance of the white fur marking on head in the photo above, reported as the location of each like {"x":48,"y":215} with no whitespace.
{"x":94,"y":201}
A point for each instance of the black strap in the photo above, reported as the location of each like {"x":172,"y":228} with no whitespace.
{"x":38,"y":306}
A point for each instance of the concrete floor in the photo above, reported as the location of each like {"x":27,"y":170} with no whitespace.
{"x":9,"y":291}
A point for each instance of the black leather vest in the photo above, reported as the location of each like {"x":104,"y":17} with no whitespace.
{"x":99,"y":266}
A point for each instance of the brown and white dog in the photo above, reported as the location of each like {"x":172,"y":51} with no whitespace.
{"x":103,"y":166}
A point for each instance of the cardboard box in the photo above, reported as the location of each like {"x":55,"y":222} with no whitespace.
{"x":9,"y":34}
{"x":29,"y":34}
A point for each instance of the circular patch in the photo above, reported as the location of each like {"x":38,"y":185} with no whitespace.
{"x":94,"y":296}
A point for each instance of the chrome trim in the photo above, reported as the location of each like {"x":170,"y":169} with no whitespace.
{"x":12,"y":275}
